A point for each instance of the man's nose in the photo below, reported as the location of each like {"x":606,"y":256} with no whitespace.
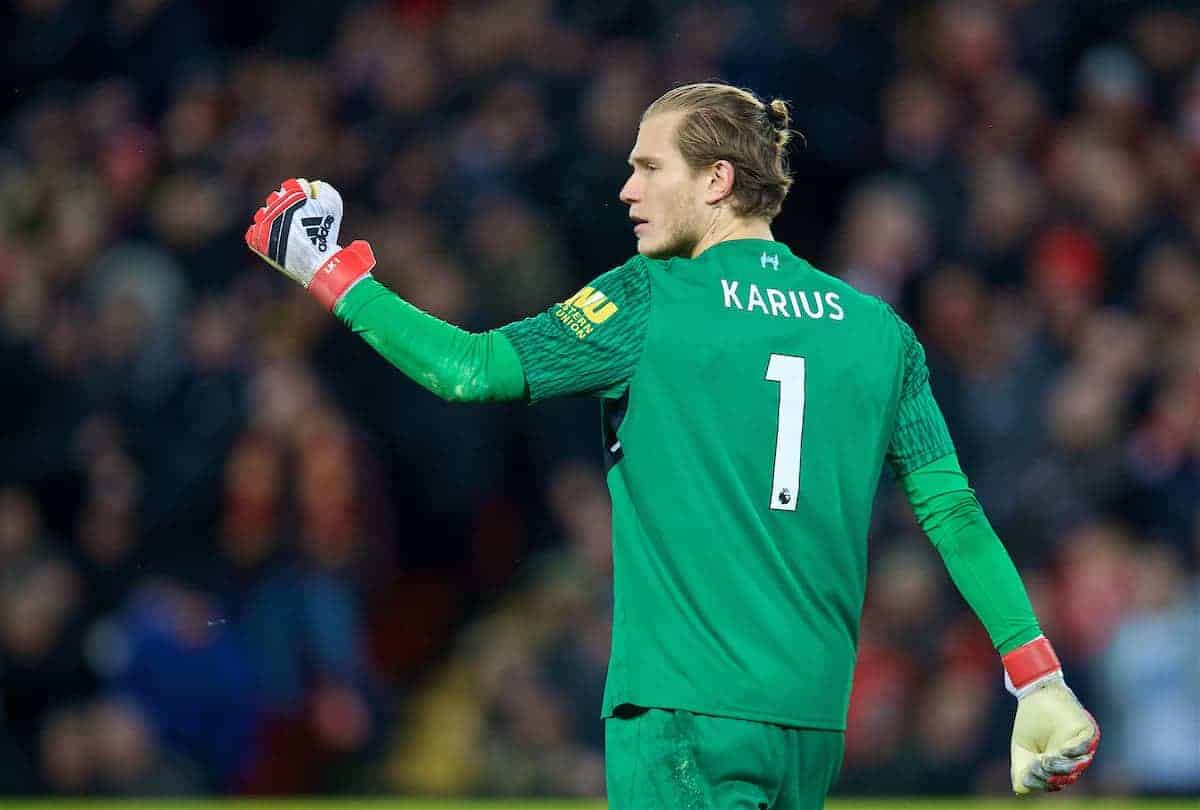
{"x":628,"y":193}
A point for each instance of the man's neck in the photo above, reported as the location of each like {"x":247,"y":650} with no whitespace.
{"x":736,"y":228}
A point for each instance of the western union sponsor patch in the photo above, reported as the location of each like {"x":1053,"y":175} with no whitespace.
{"x":584,"y":311}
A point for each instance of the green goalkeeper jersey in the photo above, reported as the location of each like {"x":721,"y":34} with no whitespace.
{"x":749,"y":403}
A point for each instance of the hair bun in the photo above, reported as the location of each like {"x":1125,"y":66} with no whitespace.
{"x":777,"y":112}
{"x":781,"y":119}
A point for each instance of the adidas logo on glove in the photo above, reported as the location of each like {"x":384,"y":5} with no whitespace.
{"x":318,"y":231}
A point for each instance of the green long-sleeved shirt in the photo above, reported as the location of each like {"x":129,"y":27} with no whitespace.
{"x":461,"y":366}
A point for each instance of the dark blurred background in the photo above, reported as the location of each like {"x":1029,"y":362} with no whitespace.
{"x":240,"y":554}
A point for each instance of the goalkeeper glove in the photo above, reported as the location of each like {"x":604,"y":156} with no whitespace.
{"x":296,"y":232}
{"x":1054,"y":737}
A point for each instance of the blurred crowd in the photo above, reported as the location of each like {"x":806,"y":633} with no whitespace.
{"x":240,"y":554}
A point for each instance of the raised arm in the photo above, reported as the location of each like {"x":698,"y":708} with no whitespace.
{"x":296,"y":232}
{"x":588,"y":344}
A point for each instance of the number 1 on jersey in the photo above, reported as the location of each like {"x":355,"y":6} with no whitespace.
{"x":788,"y":371}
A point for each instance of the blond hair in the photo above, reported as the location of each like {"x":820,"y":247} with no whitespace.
{"x":723,"y":122}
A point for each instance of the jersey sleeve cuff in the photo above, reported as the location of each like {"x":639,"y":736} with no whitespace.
{"x":362,"y":293}
{"x":1029,"y":666}
{"x":344,"y":269}
{"x":524,"y":343}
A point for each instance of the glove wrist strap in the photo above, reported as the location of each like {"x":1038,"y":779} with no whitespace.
{"x":1029,"y":666}
{"x":342,"y":271}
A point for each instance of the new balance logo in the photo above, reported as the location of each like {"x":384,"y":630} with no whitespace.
{"x":318,"y":230}
{"x":772,"y":260}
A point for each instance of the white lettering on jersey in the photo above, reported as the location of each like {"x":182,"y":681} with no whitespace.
{"x":820,"y":313}
{"x":814,"y":305}
{"x":795,"y":303}
{"x":730,"y":290}
{"x":756,"y":299}
{"x":778,"y":303}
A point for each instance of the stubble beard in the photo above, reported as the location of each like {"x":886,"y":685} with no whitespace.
{"x":682,"y":234}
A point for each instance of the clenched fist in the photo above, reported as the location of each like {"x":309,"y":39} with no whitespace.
{"x":296,"y":232}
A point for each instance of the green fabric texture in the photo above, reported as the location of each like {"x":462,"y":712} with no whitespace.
{"x":686,"y":761}
{"x":590,"y":343}
{"x":920,"y":435}
{"x":948,"y":511}
{"x":454,"y":364}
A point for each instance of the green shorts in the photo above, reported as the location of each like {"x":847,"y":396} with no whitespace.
{"x":662,"y":759}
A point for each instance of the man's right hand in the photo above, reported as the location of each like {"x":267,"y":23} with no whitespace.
{"x":296,"y":232}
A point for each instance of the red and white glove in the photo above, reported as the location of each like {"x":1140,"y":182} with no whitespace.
{"x":296,"y":232}
{"x":1054,"y":737}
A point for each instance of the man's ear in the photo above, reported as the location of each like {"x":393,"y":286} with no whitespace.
{"x":720,"y":182}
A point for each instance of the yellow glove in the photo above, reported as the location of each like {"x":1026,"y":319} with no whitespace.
{"x":1054,"y":737}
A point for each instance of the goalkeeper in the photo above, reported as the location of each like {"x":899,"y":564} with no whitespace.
{"x":749,"y":403}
